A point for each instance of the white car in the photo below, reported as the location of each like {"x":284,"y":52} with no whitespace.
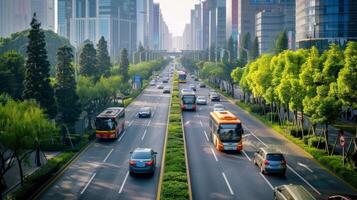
{"x":201,"y":100}
{"x":218,"y":107}
{"x":152,"y":83}
{"x":160,"y":86}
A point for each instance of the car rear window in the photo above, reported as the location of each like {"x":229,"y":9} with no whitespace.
{"x":141,"y":155}
{"x":275,"y":157}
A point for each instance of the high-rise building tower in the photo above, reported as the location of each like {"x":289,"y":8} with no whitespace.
{"x":320,"y":22}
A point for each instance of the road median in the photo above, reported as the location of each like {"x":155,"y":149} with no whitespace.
{"x":174,"y":180}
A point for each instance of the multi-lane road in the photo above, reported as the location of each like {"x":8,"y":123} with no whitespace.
{"x":219,"y":175}
{"x":101,"y":172}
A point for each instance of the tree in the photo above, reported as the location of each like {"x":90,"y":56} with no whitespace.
{"x":124,"y":65}
{"x":243,"y":56}
{"x":22,"y":125}
{"x":37,"y":83}
{"x":347,"y":78}
{"x":87,"y":61}
{"x":103,"y":58}
{"x":232,"y":48}
{"x":281,"y":43}
{"x":67,"y":99}
{"x":12,"y":74}
{"x":254,"y":51}
{"x":141,"y":51}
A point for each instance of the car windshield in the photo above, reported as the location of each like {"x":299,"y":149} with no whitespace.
{"x":230,"y":132}
{"x":275,"y":157}
{"x":189,"y":99}
{"x":104,"y":124}
{"x":141,"y":155}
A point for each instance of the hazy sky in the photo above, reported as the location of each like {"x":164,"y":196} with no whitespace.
{"x":176,"y":14}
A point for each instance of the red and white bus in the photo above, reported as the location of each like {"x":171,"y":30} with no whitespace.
{"x":110,"y":123}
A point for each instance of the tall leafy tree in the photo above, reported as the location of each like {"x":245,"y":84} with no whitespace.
{"x":347,"y":78}
{"x":103,"y":58}
{"x":87,"y":61}
{"x":281,"y":43}
{"x":37,"y":83}
{"x":124,"y":65}
{"x":254,"y":51}
{"x":232,"y":48}
{"x":141,"y":51}
{"x":243,"y":56}
{"x":12,"y":74}
{"x":212,"y":54}
{"x":65,"y":88}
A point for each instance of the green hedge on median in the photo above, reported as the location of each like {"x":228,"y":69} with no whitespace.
{"x":175,"y":184}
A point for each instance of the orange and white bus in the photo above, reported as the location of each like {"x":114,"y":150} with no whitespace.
{"x":226,"y":131}
{"x":110,"y":123}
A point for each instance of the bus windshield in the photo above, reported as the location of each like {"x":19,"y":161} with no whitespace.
{"x":105,"y":124}
{"x":230,"y":132}
{"x":189,"y":99}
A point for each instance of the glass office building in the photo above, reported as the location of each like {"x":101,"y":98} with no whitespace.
{"x":321,"y":22}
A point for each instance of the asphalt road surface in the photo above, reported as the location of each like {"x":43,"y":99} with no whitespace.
{"x":101,"y":172}
{"x":219,"y":175}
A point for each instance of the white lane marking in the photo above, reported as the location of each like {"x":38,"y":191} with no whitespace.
{"x":122,"y":135}
{"x":302,"y":178}
{"x":186,"y":123}
{"x":122,"y":185}
{"x":90,"y":180}
{"x":131,"y":123}
{"x":142,"y":138}
{"x":246,"y":155}
{"x":229,"y":186}
{"x":214,"y":154}
{"x":305,"y":166}
{"x":246,"y":135}
{"x":201,"y":123}
{"x":106,"y":157}
{"x":149,"y":123}
{"x":266,"y":180}
{"x":290,"y":168}
{"x":206,"y":136}
{"x":153,"y":113}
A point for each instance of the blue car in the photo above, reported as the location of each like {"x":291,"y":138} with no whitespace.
{"x":142,"y":161}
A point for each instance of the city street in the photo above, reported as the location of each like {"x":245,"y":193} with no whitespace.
{"x":220,"y":175}
{"x":101,"y":172}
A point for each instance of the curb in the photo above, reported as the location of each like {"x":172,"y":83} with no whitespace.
{"x":186,"y":158}
{"x":158,"y":192}
{"x":60,"y":172}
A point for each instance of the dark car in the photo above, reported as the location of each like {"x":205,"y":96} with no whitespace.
{"x":201,"y":85}
{"x":192,"y":86}
{"x":214,"y":96}
{"x":144,"y":112}
{"x":292,"y":192}
{"x":142,"y":161}
{"x":270,"y":161}
{"x":196,"y":78}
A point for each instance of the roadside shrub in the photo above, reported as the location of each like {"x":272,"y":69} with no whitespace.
{"x":318,"y":142}
{"x":272,"y":115}
{"x":306,"y":138}
{"x":297,"y":132}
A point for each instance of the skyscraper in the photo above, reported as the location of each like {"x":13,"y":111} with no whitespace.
{"x":320,"y":22}
{"x":232,"y":19}
{"x":16,"y":15}
{"x":221,"y":24}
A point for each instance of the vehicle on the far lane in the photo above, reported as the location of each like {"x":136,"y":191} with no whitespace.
{"x":201,"y":100}
{"x":192,"y":86}
{"x":226,"y":131}
{"x":292,"y":192}
{"x":142,"y":161}
{"x":270,"y":160}
{"x":201,"y":85}
{"x":166,"y":89}
{"x":214,"y":96}
{"x":182,"y":76}
{"x":152,"y":83}
{"x":218,"y":107}
{"x":188,"y":100}
{"x":110,"y":123}
{"x":144,"y":112}
{"x":160,"y":86}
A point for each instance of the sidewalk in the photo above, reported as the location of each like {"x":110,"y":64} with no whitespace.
{"x":12,"y":177}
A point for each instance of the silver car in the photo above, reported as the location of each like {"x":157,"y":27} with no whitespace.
{"x":144,"y":112}
{"x":293,"y":192}
{"x":270,"y":161}
{"x":166,"y":89}
{"x":201,"y":100}
{"x":218,"y":107}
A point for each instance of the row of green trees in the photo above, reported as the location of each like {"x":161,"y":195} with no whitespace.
{"x":304,"y":81}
